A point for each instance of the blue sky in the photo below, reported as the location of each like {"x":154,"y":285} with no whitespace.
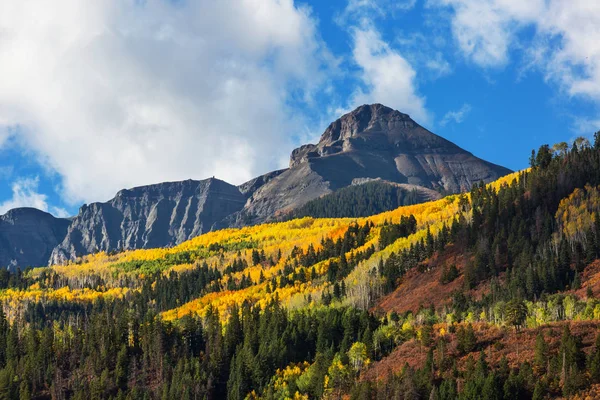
{"x":98,"y":96}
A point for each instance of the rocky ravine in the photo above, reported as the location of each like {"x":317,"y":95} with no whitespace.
{"x":371,"y":142}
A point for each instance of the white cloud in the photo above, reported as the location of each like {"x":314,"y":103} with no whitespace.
{"x":587,"y":126}
{"x":438,"y":65}
{"x":565,"y":48}
{"x":485,"y":30}
{"x":457,"y":116}
{"x":112,"y":94}
{"x":381,"y":7}
{"x":388,"y":77}
{"x":576,"y":61}
{"x":59,"y":212}
{"x":367,"y":11}
{"x":6,"y":132}
{"x":425,"y":54}
{"x":25,"y":194}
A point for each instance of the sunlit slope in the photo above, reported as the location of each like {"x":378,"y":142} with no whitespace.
{"x":120,"y":273}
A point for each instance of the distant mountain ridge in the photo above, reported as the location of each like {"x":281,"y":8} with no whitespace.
{"x":371,"y":142}
{"x":28,"y":236}
{"x":158,"y":215}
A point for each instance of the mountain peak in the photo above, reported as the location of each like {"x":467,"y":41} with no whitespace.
{"x":162,"y":188}
{"x":371,"y":111}
{"x":25,"y":212}
{"x":367,"y":117}
{"x":372,"y":127}
{"x":28,"y":235}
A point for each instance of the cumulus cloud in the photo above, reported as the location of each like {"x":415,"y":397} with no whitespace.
{"x":25,"y":194}
{"x":457,"y":116}
{"x":565,"y":46}
{"x":112,"y":94}
{"x":387,"y":76}
{"x":484,"y":30}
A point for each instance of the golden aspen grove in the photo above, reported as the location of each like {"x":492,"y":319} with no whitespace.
{"x":491,"y":291}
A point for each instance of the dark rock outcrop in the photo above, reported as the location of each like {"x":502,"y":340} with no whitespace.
{"x":158,"y":215}
{"x":27,"y":237}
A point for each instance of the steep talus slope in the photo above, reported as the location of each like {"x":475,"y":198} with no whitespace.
{"x":248,"y":188}
{"x":150,"y":216}
{"x":28,"y":235}
{"x":372,"y":141}
{"x":289,"y":190}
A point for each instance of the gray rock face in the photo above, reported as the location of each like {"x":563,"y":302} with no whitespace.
{"x":27,"y":237}
{"x":372,"y":141}
{"x":159,"y":215}
{"x":253,"y":185}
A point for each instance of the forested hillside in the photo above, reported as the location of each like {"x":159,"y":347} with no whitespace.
{"x":489,"y":294}
{"x":363,"y":200}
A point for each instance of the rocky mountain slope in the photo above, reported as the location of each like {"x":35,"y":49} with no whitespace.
{"x":158,"y":215}
{"x":371,"y":142}
{"x":28,"y":236}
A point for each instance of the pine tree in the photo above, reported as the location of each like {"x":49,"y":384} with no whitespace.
{"x":255,"y":257}
{"x":466,"y":339}
{"x":540,"y":358}
{"x":516,"y":313}
{"x":121,"y":368}
{"x":448,"y":390}
{"x":593,"y":362}
{"x":490,"y":388}
{"x":539,"y":391}
{"x":409,"y":387}
{"x":237,"y":385}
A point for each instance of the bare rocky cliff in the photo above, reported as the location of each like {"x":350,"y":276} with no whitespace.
{"x":158,"y":215}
